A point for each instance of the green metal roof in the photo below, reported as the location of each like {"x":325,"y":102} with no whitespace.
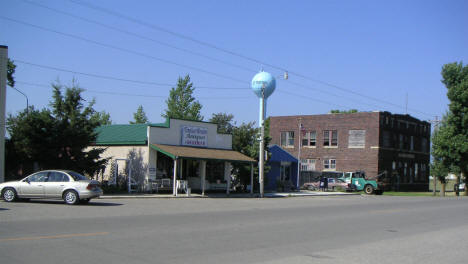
{"x":132,"y":134}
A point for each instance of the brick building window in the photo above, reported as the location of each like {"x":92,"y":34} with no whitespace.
{"x":310,"y":139}
{"x":416,"y":172}
{"x":307,"y":164}
{"x":330,"y":138}
{"x":424,"y":145}
{"x":329,"y":164}
{"x":287,"y":139}
{"x":387,"y":139}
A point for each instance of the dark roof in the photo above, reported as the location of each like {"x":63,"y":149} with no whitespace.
{"x":201,"y":153}
{"x":278,"y":154}
{"x":132,"y":134}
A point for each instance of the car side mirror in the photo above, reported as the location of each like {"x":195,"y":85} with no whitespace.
{"x":27,"y":180}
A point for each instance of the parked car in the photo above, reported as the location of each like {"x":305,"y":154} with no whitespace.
{"x":70,"y":186}
{"x":332,"y":184}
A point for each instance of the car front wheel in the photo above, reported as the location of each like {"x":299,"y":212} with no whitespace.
{"x":71,"y":197}
{"x":9,"y":195}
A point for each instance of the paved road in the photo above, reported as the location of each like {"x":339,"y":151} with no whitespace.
{"x":352,"y":229}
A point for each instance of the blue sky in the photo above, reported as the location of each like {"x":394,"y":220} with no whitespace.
{"x":367,"y":55}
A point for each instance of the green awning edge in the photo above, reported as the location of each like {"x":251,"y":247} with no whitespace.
{"x":163,"y":152}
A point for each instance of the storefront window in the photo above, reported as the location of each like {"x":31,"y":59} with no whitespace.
{"x":215,"y":171}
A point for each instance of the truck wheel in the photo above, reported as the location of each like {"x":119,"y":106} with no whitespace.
{"x":369,"y":189}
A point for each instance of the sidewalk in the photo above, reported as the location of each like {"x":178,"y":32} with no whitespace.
{"x":223,"y":195}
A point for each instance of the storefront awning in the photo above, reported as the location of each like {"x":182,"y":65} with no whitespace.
{"x":201,"y":153}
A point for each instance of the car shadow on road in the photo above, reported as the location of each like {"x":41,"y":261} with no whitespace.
{"x":4,"y":209}
{"x":90,"y":204}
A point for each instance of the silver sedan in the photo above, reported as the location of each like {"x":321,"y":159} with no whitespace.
{"x":70,"y":186}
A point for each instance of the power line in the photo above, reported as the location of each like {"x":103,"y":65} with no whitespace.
{"x":312,"y":99}
{"x":122,"y":49}
{"x":137,"y":95}
{"x":158,"y":28}
{"x":158,"y":84}
{"x":107,"y":77}
{"x":137,"y":35}
{"x":140,"y":22}
{"x":329,"y":93}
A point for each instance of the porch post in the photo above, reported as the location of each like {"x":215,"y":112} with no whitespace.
{"x":203,"y":176}
{"x":227,"y":175}
{"x":175,"y":178}
{"x":251,"y":178}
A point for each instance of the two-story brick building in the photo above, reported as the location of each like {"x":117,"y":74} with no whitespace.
{"x":375,"y":142}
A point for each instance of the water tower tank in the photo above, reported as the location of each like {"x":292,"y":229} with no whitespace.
{"x":260,"y":79}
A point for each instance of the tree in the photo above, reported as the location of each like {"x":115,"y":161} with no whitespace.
{"x":139,"y":116}
{"x":455,"y":78}
{"x":336,"y":111}
{"x":11,"y":67}
{"x":224,"y":121}
{"x":244,"y":140}
{"x":181,"y":104}
{"x":102,"y":118}
{"x":442,"y":149}
{"x":57,"y":137}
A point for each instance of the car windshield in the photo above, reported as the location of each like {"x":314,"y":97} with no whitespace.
{"x":76,"y":176}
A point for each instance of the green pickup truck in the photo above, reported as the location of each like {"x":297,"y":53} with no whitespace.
{"x":358,"y":179}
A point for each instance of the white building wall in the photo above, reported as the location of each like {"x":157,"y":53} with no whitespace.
{"x":121,"y":152}
{"x":173,"y":134}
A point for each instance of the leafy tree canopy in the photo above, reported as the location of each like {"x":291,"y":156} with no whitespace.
{"x":102,"y":118}
{"x":450,"y":142}
{"x":58,"y":137}
{"x":337,"y":111}
{"x":139,"y":116}
{"x":181,"y":104}
{"x":225,"y":122}
{"x":11,"y":67}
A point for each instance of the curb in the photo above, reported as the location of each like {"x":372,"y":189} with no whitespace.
{"x":256,"y":195}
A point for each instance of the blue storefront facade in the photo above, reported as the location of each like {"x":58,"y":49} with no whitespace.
{"x":283,"y":170}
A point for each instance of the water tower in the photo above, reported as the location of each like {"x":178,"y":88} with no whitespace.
{"x":263,"y":85}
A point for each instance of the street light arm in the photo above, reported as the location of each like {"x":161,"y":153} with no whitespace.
{"x":27,"y":100}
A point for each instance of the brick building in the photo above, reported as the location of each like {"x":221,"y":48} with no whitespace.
{"x":374,"y":142}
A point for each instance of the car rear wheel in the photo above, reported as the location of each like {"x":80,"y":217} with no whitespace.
{"x":369,"y":189}
{"x":71,"y":197}
{"x":9,"y":195}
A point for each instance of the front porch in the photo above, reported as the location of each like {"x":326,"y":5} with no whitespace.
{"x":193,"y":169}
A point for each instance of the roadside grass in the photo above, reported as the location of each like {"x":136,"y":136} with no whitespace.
{"x":409,"y":193}
{"x":419,"y":194}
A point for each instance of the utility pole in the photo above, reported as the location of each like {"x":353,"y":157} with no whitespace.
{"x":262,"y":147}
{"x":3,"y":81}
